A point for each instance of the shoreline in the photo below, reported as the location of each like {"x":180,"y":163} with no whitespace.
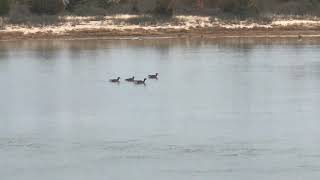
{"x":200,"y":33}
{"x":119,"y":27}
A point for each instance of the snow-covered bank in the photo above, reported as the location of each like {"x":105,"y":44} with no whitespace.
{"x":126,"y":25}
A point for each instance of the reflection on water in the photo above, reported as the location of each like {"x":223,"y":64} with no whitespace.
{"x":221,"y":109}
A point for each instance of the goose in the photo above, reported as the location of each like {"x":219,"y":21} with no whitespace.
{"x":115,"y":80}
{"x":153,"y":76}
{"x":140,"y":81}
{"x":130,"y":79}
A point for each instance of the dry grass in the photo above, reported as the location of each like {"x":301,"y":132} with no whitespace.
{"x":232,"y":19}
{"x":37,"y":21}
{"x":147,"y":20}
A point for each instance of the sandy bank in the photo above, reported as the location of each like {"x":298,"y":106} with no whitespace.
{"x":133,"y":26}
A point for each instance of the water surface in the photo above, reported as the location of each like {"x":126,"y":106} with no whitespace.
{"x":221,"y":109}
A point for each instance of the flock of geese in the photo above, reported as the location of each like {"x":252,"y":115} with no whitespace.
{"x":152,"y":76}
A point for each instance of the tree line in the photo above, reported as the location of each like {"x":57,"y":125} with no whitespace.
{"x":298,"y":7}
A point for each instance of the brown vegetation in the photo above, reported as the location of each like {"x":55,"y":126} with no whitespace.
{"x":102,"y":7}
{"x":51,"y":12}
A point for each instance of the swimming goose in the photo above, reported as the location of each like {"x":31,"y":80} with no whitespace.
{"x":140,"y":81}
{"x":130,"y":79}
{"x":115,"y":80}
{"x":153,"y":76}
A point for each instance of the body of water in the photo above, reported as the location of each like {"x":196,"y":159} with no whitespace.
{"x":221,"y":109}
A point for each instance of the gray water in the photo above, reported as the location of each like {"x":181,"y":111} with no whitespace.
{"x":221,"y":109}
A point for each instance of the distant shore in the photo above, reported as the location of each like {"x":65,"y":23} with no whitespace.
{"x":131,"y":26}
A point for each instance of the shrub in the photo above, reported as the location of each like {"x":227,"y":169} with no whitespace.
{"x":301,"y":7}
{"x":18,"y":13}
{"x":107,"y":3}
{"x":2,"y":24}
{"x":162,"y":8}
{"x":240,"y":7}
{"x":4,"y":7}
{"x":46,"y":6}
{"x":83,"y":10}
